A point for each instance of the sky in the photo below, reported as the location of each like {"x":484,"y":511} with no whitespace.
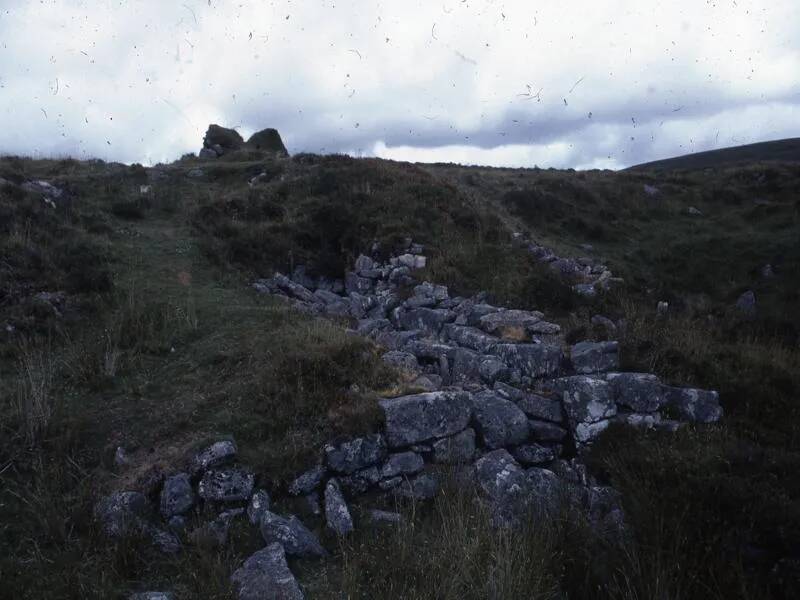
{"x":575,"y":83}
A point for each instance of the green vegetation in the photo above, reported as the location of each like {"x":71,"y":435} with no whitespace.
{"x":158,"y":345}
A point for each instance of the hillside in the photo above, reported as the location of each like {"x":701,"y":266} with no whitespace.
{"x":163,"y":388}
{"x":787,"y":150}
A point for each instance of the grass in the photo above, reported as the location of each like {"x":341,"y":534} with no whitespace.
{"x":160,"y":347}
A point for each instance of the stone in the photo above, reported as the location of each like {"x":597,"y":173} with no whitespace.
{"x":355,"y":454}
{"x":456,"y":449}
{"x":259,"y":503}
{"x":542,"y":431}
{"x":694,"y":211}
{"x":424,"y":486}
{"x":412,"y":261}
{"x":533,"y":405}
{"x":151,"y":596}
{"x":214,"y":534}
{"x":207,"y":153}
{"x":307,"y":482}
{"x":535,"y":454}
{"x":164,"y":541}
{"x":295,"y":537}
{"x":403,"y":361}
{"x":587,"y":290}
{"x":586,"y":399}
{"x":746,"y":303}
{"x":232,"y":484}
{"x":651,"y":190}
{"x":639,"y":420}
{"x":422,"y":417}
{"x":430,"y":320}
{"x":498,"y":422}
{"x":122,"y":513}
{"x":470,"y":337}
{"x":694,"y":405}
{"x":428,"y":290}
{"x":427,"y":349}
{"x":177,"y":524}
{"x":396,"y":340}
{"x":640,"y":392}
{"x":337,"y":515}
{"x":514,"y":325}
{"x":360,"y":481}
{"x":532,"y":360}
{"x":121,"y":458}
{"x":354,"y":283}
{"x":545,"y":491}
{"x":216,"y":454}
{"x":662,"y":308}
{"x":505,"y":484}
{"x":402,"y":463}
{"x":268,"y":140}
{"x":177,"y":496}
{"x":605,"y":323}
{"x":369,"y":327}
{"x":595,"y":357}
{"x":586,"y":432}
{"x":227,"y":139}
{"x":265,"y":575}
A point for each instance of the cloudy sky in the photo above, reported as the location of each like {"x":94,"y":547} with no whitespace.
{"x":576,"y":83}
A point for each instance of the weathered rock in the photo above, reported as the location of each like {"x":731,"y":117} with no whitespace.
{"x":641,"y":392}
{"x":164,"y":541}
{"x":430,"y":320}
{"x":456,"y":449}
{"x":421,"y":417}
{"x":512,"y":325}
{"x":542,"y":431}
{"x":535,"y":454}
{"x":412,"y":261}
{"x":354,"y":283}
{"x":268,"y":140}
{"x":506,"y":486}
{"x":586,"y":432}
{"x":360,"y":481}
{"x":468,"y":365}
{"x":396,"y":340}
{"x":424,"y":486}
{"x":639,"y":420}
{"x":382,"y":518}
{"x":214,"y":534}
{"x":698,"y":406}
{"x":404,"y":361}
{"x":545,"y":491}
{"x":605,"y":323}
{"x":122,"y":513}
{"x":216,"y":454}
{"x":428,"y":349}
{"x":355,"y":454}
{"x":498,"y":422}
{"x":370,"y":327}
{"x":227,"y":139}
{"x":585,"y":399}
{"x":152,"y":596}
{"x":307,"y":482}
{"x":470,"y":337}
{"x":595,"y":357}
{"x":402,"y":463}
{"x":177,"y":496}
{"x":532,"y":360}
{"x":232,"y":484}
{"x":533,"y":405}
{"x":259,"y":503}
{"x":747,"y":303}
{"x":337,"y":515}
{"x":265,"y":575}
{"x":295,"y":537}
{"x":312,"y":503}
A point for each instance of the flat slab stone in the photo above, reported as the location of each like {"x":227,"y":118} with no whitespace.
{"x":422,"y":417}
{"x":355,"y":454}
{"x":499,"y":422}
{"x":290,"y":532}
{"x":641,"y":392}
{"x":337,"y":515}
{"x":265,"y":575}
{"x":532,"y":360}
{"x":586,"y":399}
{"x":694,"y":405}
{"x":233,"y":484}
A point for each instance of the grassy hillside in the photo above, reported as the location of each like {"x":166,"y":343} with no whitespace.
{"x":157,"y":344}
{"x":787,"y":150}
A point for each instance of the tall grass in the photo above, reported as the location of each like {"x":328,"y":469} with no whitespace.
{"x":36,"y":398}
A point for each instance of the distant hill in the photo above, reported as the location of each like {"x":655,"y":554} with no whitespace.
{"x":778,"y":150}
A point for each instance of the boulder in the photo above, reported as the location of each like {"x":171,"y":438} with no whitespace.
{"x":535,"y":454}
{"x":360,"y":481}
{"x":177,"y":496}
{"x":337,"y":515}
{"x":512,"y":325}
{"x":227,"y":139}
{"x":421,"y":417}
{"x":532,"y":360}
{"x":151,"y":596}
{"x":396,"y":340}
{"x":424,"y":486}
{"x":586,"y":399}
{"x":232,"y":484}
{"x":694,"y":405}
{"x":356,"y":454}
{"x":641,"y":392}
{"x":307,"y":482}
{"x":506,"y":486}
{"x":265,"y":575}
{"x":586,"y":432}
{"x":595,"y":357}
{"x":402,"y":463}
{"x":428,"y":349}
{"x":382,"y":518}
{"x":498,"y":422}
{"x":216,"y":454}
{"x":295,"y":537}
{"x":430,"y":320}
{"x":470,"y":337}
{"x":259,"y":504}
{"x":403,"y":361}
{"x":533,"y":405}
{"x":456,"y":449}
{"x":542,"y":431}
{"x":357,"y":284}
{"x":746,"y":303}
{"x":214,"y":534}
{"x":122,"y":513}
{"x":268,"y":140}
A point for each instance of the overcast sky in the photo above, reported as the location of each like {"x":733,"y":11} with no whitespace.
{"x":574,"y":83}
